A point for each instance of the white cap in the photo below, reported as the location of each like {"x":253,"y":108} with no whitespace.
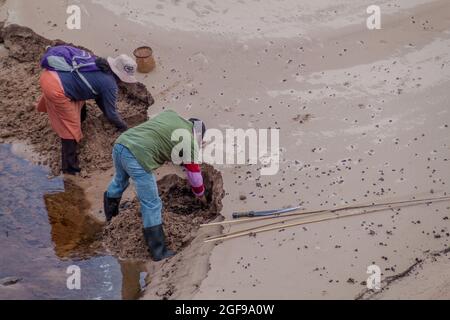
{"x":124,"y":67}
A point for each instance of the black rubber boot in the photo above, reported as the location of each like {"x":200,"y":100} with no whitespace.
{"x":155,"y":239}
{"x":69,"y":156}
{"x":110,"y":206}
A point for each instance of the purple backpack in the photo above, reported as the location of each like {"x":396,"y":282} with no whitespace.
{"x":70,"y":59}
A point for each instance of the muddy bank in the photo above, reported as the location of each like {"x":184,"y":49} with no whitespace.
{"x":182,"y":215}
{"x":20,"y":91}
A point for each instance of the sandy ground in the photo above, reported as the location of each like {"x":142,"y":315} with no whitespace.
{"x":378,"y":128}
{"x":420,"y":281}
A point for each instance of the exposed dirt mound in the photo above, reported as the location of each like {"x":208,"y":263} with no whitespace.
{"x":20,"y":91}
{"x":182,"y":216}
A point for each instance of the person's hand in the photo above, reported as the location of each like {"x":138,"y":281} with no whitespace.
{"x":122,"y":129}
{"x":202,"y":200}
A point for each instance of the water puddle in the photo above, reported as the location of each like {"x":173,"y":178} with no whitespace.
{"x":44,"y":229}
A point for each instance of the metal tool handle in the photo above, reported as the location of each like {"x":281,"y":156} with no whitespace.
{"x":237,"y":215}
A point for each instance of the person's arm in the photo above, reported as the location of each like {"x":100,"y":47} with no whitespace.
{"x":107,"y":100}
{"x":195,"y":179}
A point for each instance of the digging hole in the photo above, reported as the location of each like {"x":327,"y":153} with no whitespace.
{"x":182,"y":216}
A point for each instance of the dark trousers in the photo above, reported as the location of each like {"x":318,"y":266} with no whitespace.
{"x":69,"y":156}
{"x":70,"y":163}
{"x":83,"y":115}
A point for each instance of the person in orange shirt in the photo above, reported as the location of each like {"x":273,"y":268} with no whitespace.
{"x":63,"y":99}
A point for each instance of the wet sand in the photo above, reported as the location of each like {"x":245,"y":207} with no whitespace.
{"x":378,"y":129}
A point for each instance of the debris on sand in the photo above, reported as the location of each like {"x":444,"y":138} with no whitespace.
{"x":182,"y":215}
{"x":302,"y":118}
{"x":419,"y":271}
{"x":20,"y":91}
{"x":9,"y":281}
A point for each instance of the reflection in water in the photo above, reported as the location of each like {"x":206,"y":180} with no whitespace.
{"x":44,"y":228}
{"x":133,"y":278}
{"x":74,"y":232}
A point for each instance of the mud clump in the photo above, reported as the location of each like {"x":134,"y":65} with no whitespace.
{"x":19,"y":94}
{"x":23,"y":44}
{"x":182,"y":216}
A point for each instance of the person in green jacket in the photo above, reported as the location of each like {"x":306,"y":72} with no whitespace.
{"x":141,"y":150}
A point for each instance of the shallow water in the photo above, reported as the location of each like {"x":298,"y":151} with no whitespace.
{"x":45,"y":228}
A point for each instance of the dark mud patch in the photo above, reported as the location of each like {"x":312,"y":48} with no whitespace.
{"x":182,"y":215}
{"x":20,"y":91}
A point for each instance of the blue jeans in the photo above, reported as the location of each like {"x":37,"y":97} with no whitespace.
{"x":127,"y":166}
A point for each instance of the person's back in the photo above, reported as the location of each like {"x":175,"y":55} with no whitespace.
{"x":76,"y":89}
{"x":151,"y":143}
{"x":105,"y":86}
